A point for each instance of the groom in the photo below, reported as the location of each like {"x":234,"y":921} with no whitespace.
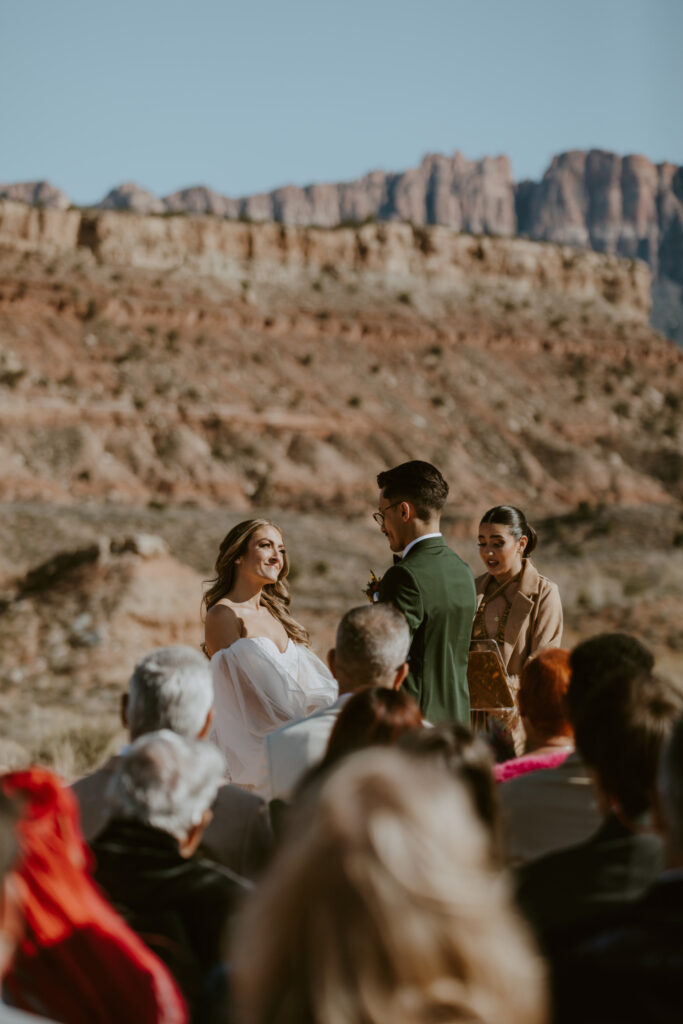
{"x":431,"y":585}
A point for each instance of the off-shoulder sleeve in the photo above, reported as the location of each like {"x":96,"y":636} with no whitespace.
{"x":253,"y":696}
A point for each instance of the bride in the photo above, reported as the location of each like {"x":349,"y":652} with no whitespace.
{"x":264,"y":673}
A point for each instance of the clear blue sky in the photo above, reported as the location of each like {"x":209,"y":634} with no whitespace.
{"x":246,"y":96}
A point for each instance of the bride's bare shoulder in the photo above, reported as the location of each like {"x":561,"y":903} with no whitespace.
{"x":222,"y":627}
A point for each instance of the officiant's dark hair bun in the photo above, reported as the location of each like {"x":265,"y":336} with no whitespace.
{"x":420,"y":483}
{"x":514,"y":518}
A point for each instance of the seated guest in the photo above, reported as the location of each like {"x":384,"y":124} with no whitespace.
{"x":371,"y":649}
{"x":373,"y":717}
{"x":632,"y":972}
{"x":549,"y":736}
{"x":553,"y":808}
{"x":75,"y":960}
{"x":171,"y":688}
{"x":468,"y":758}
{"x":619,"y":727}
{"x":179,"y":903}
{"x":381,"y":906}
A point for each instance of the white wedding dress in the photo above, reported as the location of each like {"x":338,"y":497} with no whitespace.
{"x":257,"y":689}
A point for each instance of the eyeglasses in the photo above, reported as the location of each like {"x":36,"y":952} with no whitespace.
{"x":379,"y":516}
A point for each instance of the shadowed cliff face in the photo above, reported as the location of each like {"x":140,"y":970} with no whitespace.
{"x":627,"y":206}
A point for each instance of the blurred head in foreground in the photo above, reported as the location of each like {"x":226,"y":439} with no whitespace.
{"x":469,"y":760}
{"x":381,"y":907}
{"x":621,"y":725}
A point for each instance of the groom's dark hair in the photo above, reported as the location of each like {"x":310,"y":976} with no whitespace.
{"x":420,"y":483}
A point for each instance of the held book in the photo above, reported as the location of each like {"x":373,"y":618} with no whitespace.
{"x":487,"y":678}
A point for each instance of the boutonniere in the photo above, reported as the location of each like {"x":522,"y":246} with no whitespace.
{"x":371,"y":591}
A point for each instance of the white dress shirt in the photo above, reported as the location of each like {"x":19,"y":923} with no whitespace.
{"x":425,"y":536}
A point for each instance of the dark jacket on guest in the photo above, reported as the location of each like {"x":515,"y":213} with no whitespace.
{"x":179,"y":906}
{"x":568,"y":890}
{"x":631,"y":972}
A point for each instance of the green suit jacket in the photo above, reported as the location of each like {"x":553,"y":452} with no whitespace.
{"x":434,"y":589}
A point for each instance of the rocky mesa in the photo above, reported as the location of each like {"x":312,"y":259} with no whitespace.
{"x":196,"y":359}
{"x":625,"y":206}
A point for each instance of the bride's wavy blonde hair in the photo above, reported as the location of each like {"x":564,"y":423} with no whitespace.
{"x":274,"y":596}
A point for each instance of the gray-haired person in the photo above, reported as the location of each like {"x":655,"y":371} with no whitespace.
{"x":160,"y":796}
{"x":371,"y":649}
{"x":171,"y":688}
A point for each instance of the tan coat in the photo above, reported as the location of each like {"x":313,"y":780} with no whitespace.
{"x":535,"y":618}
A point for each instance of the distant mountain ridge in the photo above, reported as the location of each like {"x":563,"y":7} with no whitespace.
{"x":626,"y":206}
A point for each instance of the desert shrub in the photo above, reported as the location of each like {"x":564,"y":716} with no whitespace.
{"x":77,"y":749}
{"x":577,"y":364}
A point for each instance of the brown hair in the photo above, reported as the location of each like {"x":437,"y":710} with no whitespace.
{"x":274,"y":596}
{"x":375,"y":716}
{"x":381,"y":906}
{"x":420,"y":483}
{"x":543,"y":689}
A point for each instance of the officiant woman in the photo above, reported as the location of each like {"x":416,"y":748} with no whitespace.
{"x":516,"y":605}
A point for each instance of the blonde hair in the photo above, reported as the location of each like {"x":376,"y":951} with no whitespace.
{"x":381,"y":907}
{"x":274,"y":596}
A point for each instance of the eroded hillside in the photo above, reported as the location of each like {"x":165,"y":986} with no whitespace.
{"x":188,"y":359}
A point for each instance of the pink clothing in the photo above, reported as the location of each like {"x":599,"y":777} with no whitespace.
{"x":529,"y":763}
